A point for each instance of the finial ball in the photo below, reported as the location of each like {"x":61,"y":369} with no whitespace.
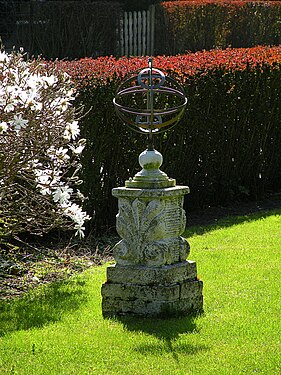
{"x":150,"y":159}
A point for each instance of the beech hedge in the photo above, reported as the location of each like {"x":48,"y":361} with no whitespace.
{"x":226,"y":147}
{"x":205,"y":24}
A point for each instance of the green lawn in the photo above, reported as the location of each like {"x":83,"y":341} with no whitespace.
{"x":60,"y":329}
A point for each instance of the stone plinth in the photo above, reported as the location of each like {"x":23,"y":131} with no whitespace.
{"x":151,"y":276}
{"x":170,"y":290}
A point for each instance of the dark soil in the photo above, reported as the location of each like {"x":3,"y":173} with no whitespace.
{"x":28,"y":264}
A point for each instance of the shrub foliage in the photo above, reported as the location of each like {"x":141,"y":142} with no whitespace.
{"x":225,"y":148}
{"x":65,"y":29}
{"x":76,"y":29}
{"x":39,"y":154}
{"x":205,"y":24}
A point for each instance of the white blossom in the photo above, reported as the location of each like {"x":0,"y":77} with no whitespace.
{"x":50,"y":80}
{"x":78,"y":216}
{"x":3,"y":127}
{"x":47,"y":179}
{"x":71,"y":130}
{"x":4,"y":57}
{"x":77,"y":150}
{"x":43,"y":180}
{"x":10,"y":107}
{"x":59,"y":156}
{"x":62,"y":195}
{"x":18,"y":122}
{"x":24,"y":92}
{"x":34,"y":81}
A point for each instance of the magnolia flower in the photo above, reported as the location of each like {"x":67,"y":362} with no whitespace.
{"x":50,"y":80}
{"x":79,"y":230}
{"x":9,"y":107}
{"x":2,"y":96}
{"x":77,"y":150}
{"x":78,"y":216}
{"x":61,"y":153}
{"x":43,"y":179}
{"x":58,"y":156}
{"x":44,"y":184}
{"x":71,"y":130}
{"x":3,"y":127}
{"x":47,"y":179}
{"x":61,"y":104}
{"x":18,"y":122}
{"x":3,"y":57}
{"x":34,"y":81}
{"x":79,"y":147}
{"x":28,"y":98}
{"x":62,"y":195}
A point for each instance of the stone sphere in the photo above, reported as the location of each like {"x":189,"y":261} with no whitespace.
{"x":149,"y":101}
{"x":150,"y":159}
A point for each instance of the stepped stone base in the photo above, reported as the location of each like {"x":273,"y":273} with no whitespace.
{"x":170,"y":290}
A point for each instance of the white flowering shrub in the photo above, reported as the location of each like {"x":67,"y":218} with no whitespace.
{"x":39,"y":149}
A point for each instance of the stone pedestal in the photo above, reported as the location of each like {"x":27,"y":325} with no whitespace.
{"x":151,"y":276}
{"x":165,"y":291}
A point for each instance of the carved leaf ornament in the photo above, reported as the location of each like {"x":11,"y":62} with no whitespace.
{"x":149,"y":235}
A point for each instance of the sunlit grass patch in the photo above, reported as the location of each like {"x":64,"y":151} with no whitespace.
{"x":59,"y":329}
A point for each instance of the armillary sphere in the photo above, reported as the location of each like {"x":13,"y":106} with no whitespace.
{"x":150,"y":102}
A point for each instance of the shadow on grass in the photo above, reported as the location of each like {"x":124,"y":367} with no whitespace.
{"x":229,"y":221}
{"x":167,"y":331}
{"x":41,"y":306}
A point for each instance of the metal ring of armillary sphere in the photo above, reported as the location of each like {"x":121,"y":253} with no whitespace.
{"x":150,"y":102}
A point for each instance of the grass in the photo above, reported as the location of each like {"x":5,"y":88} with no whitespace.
{"x":59,"y":329}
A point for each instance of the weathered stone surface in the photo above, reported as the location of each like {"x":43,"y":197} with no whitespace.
{"x":142,"y":292}
{"x":150,"y":223}
{"x":150,"y":193}
{"x":150,"y":176}
{"x":191,"y":290}
{"x":152,"y":307}
{"x":143,"y":275}
{"x":152,"y":276}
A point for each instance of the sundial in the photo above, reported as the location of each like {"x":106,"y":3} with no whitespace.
{"x":152,"y":276}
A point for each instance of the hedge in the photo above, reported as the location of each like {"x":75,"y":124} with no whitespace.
{"x":206,"y":24}
{"x":63,"y":29}
{"x":227,"y":146}
{"x":76,"y":29}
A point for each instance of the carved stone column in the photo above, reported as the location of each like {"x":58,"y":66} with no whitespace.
{"x":151,"y":276}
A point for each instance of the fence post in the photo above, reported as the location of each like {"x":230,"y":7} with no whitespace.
{"x":126,"y":34}
{"x":148,"y":28}
{"x":130,"y":32}
{"x":152,"y":28}
{"x":144,"y":33}
{"x":135,"y":23}
{"x":139,"y":31}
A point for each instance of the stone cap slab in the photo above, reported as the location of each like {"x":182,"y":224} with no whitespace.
{"x":150,"y":193}
{"x":143,"y":275}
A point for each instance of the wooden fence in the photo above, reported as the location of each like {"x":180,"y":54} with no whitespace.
{"x":137,"y":33}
